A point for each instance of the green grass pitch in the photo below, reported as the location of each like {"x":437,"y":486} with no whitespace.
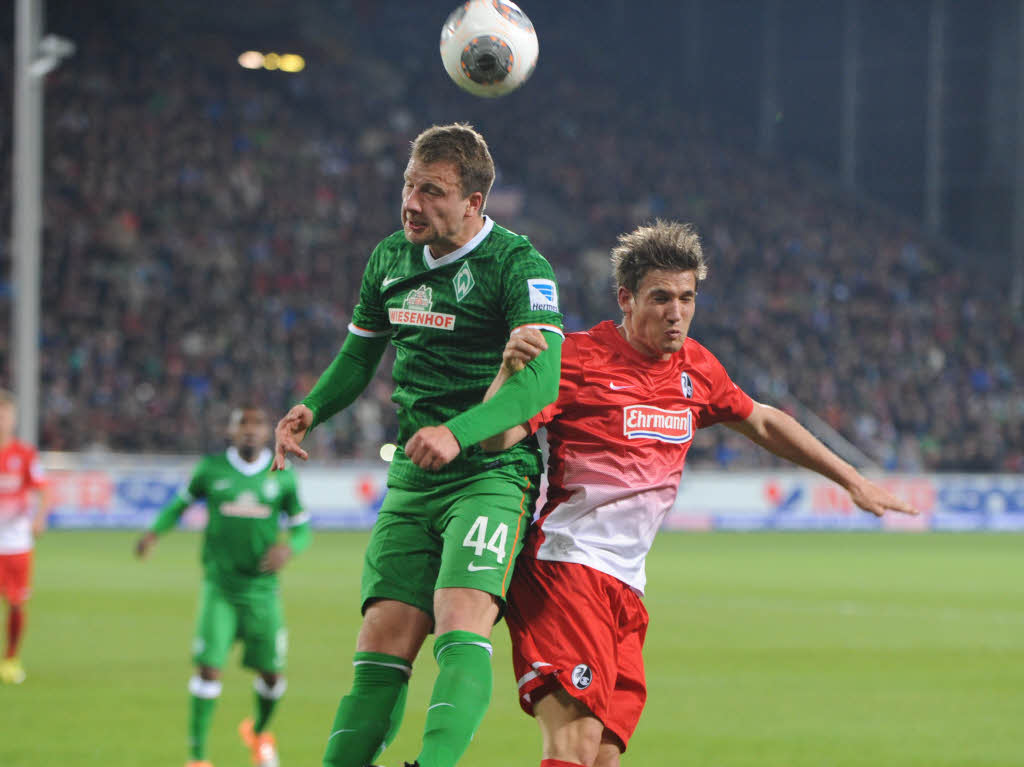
{"x":765,"y":649}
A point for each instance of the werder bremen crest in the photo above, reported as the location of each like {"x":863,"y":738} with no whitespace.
{"x":420,"y":299}
{"x":463,"y":281}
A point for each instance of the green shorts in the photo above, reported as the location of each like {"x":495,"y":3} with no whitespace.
{"x":253,"y":616}
{"x":466,"y":533}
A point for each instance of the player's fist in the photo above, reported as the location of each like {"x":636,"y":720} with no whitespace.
{"x":275,"y":558}
{"x":524,"y":345}
{"x":432,"y":447}
{"x":144,"y":544}
{"x":289,"y":433}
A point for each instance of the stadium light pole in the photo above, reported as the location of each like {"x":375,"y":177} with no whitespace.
{"x":34,"y":57}
{"x":934,"y":183}
{"x":850,"y":98}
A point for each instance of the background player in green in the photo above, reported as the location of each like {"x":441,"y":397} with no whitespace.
{"x":447,"y":290}
{"x":241,"y":556}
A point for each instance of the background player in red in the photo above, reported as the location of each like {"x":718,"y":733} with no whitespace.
{"x":630,"y":399}
{"x":21,"y":520}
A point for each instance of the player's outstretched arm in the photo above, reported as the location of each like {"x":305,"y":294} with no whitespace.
{"x":169,"y":515}
{"x":44,"y":505}
{"x":524,"y":345}
{"x":146,"y":542}
{"x":780,"y":433}
{"x":344,"y":380}
{"x":288,"y":433}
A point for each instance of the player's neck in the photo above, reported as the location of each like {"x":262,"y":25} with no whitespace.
{"x":645,"y":350}
{"x":440,"y":249}
{"x":5,"y":440}
{"x":248,"y":454}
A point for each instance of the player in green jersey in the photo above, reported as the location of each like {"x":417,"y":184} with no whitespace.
{"x":241,"y":557}
{"x":447,"y":291}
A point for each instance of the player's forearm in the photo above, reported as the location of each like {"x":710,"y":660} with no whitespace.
{"x":346,"y":377}
{"x":497,"y":383}
{"x":783,"y":435}
{"x":169,"y":515}
{"x":509,"y":437}
{"x":520,"y":398}
{"x":300,"y":536}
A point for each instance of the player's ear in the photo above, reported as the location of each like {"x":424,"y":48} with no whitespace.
{"x":625,"y":297}
{"x":474,"y":204}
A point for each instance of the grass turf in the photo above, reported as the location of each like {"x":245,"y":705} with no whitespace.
{"x":764,"y":649}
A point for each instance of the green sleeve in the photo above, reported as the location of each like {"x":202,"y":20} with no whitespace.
{"x":346,"y":377}
{"x":300,"y":536}
{"x":171,"y":511}
{"x":521,"y":397}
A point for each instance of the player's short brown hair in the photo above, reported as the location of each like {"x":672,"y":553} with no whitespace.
{"x":668,"y":245}
{"x":461,"y":145}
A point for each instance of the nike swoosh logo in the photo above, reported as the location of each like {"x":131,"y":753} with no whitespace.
{"x":388,"y":280}
{"x":338,"y":732}
{"x":473,"y":567}
{"x":617,"y":387}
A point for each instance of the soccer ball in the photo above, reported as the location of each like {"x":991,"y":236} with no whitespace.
{"x":489,"y":47}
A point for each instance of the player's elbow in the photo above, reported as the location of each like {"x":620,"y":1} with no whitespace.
{"x":505,"y":440}
{"x":493,"y":444}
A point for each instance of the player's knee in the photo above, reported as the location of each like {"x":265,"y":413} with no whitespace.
{"x":270,"y":678}
{"x":607,"y":755}
{"x":462,"y":609}
{"x":577,"y":743}
{"x":208,"y":673}
{"x":393,"y":628}
{"x":571,"y":732}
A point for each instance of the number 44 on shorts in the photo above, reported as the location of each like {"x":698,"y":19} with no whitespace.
{"x":478,"y":534}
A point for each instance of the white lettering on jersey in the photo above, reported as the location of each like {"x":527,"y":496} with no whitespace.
{"x":423,"y":319}
{"x":543,"y":295}
{"x":246,"y":505}
{"x":654,"y":423}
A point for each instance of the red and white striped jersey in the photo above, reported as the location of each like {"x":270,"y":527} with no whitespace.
{"x":19,"y":472}
{"x":618,"y":436}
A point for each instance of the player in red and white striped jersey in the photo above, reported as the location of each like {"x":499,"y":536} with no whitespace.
{"x":631,"y":397}
{"x":21,"y":519}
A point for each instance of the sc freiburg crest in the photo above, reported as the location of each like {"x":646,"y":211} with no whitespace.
{"x":687,"y":385}
{"x":582,"y":676}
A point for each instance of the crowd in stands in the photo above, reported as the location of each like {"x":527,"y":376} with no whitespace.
{"x":206,"y":228}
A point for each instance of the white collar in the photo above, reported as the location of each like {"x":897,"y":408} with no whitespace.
{"x":243,"y":466}
{"x":455,"y":255}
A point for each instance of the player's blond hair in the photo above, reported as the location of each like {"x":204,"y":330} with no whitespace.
{"x":668,"y":245}
{"x":462,"y":146}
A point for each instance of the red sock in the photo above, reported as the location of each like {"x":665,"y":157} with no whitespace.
{"x":15,"y":625}
{"x":558,"y":763}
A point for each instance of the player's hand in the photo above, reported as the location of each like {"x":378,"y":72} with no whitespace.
{"x":277,"y":556}
{"x":877,"y":500}
{"x":524,"y":345}
{"x":39,"y":525}
{"x":432,"y":447}
{"x":144,"y":544}
{"x":289,"y":433}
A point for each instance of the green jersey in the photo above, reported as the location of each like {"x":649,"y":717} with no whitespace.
{"x":449,"y":319}
{"x":244,"y":503}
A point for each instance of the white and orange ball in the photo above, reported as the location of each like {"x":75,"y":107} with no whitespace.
{"x":489,"y":47}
